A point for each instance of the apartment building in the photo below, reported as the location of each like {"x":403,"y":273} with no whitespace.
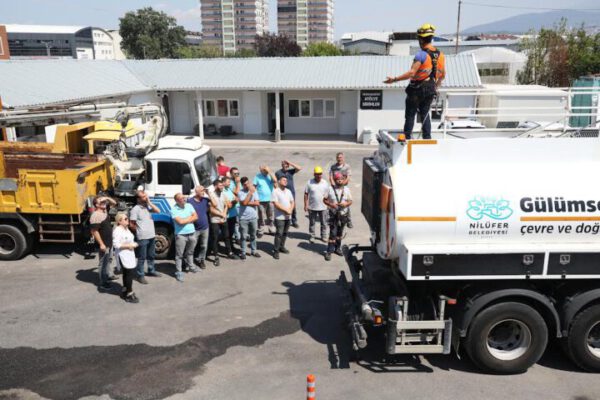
{"x":306,"y":21}
{"x":232,"y":25}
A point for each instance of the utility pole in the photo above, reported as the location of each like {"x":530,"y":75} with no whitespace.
{"x":457,"y":27}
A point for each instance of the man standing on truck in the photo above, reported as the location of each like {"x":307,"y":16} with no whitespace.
{"x":140,"y":222}
{"x":101,"y":229}
{"x":184,"y":216}
{"x":341,"y":166}
{"x":426,"y":75}
{"x":339,"y":201}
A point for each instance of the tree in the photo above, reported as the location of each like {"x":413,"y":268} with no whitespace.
{"x":321,"y":49}
{"x":272,"y":45}
{"x":557,"y":57}
{"x":202,"y":51}
{"x":150,"y":34}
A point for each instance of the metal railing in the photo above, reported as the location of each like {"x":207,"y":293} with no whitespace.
{"x":550,"y":117}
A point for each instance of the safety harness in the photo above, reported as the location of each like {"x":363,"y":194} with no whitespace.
{"x":435,"y":55}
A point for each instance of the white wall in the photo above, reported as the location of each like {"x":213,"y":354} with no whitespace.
{"x":391,"y":116}
{"x":311,"y":125}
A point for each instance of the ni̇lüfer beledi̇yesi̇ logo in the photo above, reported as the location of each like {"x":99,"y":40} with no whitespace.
{"x":491,"y":207}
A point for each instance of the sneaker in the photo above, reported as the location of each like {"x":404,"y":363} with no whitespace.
{"x":233,"y":256}
{"x":202,"y":265}
{"x":350,"y":225}
{"x":311,"y":240}
{"x":112,"y":278}
{"x":154,"y":274}
{"x":276,"y":255}
{"x":105,"y":286}
{"x":179,"y":276}
{"x":142,"y":280}
{"x":217,"y":262}
{"x":339,"y":252}
{"x":295,"y":225}
{"x":255,"y":254}
{"x":132,"y":298}
{"x":193,"y":270}
{"x":243,"y":257}
{"x":284,"y":250}
{"x":327,"y":256}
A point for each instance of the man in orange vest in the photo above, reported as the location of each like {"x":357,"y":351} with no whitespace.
{"x":426,"y":75}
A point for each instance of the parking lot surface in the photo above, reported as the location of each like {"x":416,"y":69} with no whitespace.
{"x":246,"y":330}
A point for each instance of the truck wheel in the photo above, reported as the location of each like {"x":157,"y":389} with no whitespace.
{"x":164,"y":242}
{"x":13,"y":243}
{"x":583,"y":343}
{"x":507,"y":338}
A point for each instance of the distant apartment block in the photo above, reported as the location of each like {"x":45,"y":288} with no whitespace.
{"x":306,"y":21}
{"x":52,"y":41}
{"x":233,"y":24}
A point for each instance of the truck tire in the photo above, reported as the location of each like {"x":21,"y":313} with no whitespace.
{"x":583,"y":342}
{"x":164,"y":242}
{"x":507,"y":338}
{"x":13,"y":243}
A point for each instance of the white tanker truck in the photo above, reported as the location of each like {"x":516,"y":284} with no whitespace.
{"x":488,"y":244}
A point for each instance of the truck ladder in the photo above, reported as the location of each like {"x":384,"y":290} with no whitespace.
{"x":58,"y":228}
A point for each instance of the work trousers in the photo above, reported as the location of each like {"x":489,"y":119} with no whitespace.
{"x":313,"y":217}
{"x":265,"y":215}
{"x":184,"y":250}
{"x":248,"y":230}
{"x":231,"y":224}
{"x":337,"y":223}
{"x":416,"y":102}
{"x":282,"y":226}
{"x":146,"y":251}
{"x":128,"y":280}
{"x":104,"y":258}
{"x":215,"y":230}
{"x":201,"y":245}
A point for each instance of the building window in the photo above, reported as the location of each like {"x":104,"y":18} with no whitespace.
{"x":314,"y":108}
{"x":224,"y":108}
{"x":209,"y":108}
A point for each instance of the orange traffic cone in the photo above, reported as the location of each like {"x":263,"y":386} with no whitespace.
{"x":310,"y":387}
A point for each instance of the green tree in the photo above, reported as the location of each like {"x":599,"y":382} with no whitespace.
{"x":584,"y":53}
{"x":276,"y":45}
{"x":199,"y":52}
{"x":150,"y":34}
{"x":321,"y":49}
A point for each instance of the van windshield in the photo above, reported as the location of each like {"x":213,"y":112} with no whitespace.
{"x":206,"y":168}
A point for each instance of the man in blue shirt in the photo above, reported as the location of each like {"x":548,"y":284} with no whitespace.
{"x":184,"y":216}
{"x":200,"y":203}
{"x":232,"y":212}
{"x":265,"y":181}
{"x":289,"y":169}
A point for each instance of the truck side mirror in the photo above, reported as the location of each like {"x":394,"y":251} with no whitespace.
{"x":186,"y":184}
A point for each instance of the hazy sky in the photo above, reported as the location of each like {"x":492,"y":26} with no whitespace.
{"x":350,"y":15}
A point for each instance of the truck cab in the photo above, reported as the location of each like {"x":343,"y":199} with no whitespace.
{"x":178,"y":164}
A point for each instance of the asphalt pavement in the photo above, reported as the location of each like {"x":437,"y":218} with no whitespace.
{"x":246,"y":330}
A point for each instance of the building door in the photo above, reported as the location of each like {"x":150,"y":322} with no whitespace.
{"x":181,"y":113}
{"x":252,"y":112}
{"x":271,"y":107}
{"x":348,"y":112}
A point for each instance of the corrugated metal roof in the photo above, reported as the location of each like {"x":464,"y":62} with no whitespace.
{"x":36,"y":82}
{"x":355,"y":72}
{"x":39,"y":82}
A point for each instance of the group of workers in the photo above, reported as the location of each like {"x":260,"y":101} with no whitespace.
{"x":233,"y":210}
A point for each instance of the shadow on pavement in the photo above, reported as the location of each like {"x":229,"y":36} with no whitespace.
{"x":57,"y":250}
{"x":317,"y":306}
{"x":91,"y":276}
